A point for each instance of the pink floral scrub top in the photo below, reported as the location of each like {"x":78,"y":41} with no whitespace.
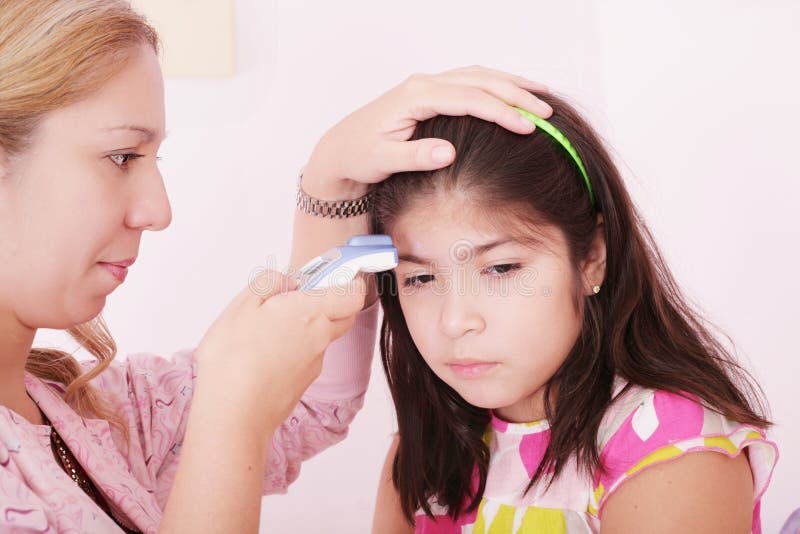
{"x":154,"y":394}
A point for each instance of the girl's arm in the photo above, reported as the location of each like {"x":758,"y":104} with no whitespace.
{"x":389,"y":518}
{"x":700,"y":492}
{"x":672,"y":464}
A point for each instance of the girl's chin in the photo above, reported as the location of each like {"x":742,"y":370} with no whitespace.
{"x":487,"y":401}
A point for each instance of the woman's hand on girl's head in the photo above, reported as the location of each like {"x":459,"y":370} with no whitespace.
{"x":373,"y":142}
{"x":266,"y":347}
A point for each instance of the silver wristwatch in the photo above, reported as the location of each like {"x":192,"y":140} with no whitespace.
{"x":333,"y":209}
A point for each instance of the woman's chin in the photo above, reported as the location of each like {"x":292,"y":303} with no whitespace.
{"x":84,"y":313}
{"x":71,"y":312}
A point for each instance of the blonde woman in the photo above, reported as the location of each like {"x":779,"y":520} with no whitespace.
{"x":188,"y":443}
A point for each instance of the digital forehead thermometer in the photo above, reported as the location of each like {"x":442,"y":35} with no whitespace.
{"x":340,"y":265}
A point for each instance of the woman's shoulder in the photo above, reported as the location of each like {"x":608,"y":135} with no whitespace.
{"x":645,"y":427}
{"x":154,"y":369}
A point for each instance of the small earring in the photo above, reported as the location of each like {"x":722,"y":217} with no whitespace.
{"x":596,"y":289}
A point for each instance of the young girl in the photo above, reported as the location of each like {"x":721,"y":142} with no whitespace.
{"x":188,"y":443}
{"x":547,"y":373}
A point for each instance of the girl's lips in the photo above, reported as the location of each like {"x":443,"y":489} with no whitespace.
{"x":471,"y":369}
{"x":119,"y":270}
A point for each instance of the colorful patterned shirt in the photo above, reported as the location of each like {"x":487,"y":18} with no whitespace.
{"x":641,"y":429}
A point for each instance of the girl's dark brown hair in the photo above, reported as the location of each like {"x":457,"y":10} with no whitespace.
{"x":639,"y":327}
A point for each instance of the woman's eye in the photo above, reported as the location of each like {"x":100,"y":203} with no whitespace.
{"x":503,"y":268}
{"x":122,"y":160}
{"x":418,"y":280}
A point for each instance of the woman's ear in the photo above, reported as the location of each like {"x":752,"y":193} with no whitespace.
{"x":594,"y":266}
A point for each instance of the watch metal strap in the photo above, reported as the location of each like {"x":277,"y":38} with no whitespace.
{"x":333,"y":209}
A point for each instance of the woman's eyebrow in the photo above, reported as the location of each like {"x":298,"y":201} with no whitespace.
{"x":149,"y":133}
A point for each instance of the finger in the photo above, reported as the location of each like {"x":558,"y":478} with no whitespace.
{"x":419,"y":155}
{"x":459,"y":100}
{"x":254,"y":285}
{"x":330,"y":303}
{"x":265,"y":283}
{"x":506,"y":90}
{"x":520,"y":81}
{"x":340,"y":302}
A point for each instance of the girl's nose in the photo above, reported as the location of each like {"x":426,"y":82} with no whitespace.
{"x":460,"y":314}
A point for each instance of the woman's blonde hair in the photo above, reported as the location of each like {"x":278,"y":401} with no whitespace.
{"x":54,"y":53}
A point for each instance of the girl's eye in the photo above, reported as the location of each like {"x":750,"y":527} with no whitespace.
{"x":418,"y":280}
{"x":504,"y":268}
{"x":122,"y":160}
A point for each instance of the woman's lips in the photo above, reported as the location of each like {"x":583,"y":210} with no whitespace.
{"x":118,"y":270}
{"x":471,"y":369}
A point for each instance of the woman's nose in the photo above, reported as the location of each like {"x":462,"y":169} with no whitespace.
{"x":150,"y":208}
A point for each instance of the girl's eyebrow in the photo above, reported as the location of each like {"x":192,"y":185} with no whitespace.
{"x":478,"y":250}
{"x":410,"y":258}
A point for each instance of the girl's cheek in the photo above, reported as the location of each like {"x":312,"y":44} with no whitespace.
{"x":422,"y":330}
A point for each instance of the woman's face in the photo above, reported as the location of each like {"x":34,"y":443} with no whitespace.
{"x":493,"y":318}
{"x":79,"y":197}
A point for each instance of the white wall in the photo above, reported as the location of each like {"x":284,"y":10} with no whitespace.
{"x":699,"y":101}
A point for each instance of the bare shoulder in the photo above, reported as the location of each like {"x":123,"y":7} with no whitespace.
{"x":700,"y":492}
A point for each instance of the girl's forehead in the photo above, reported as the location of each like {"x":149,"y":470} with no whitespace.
{"x":440,"y":220}
{"x":434,"y":230}
{"x":431,"y":234}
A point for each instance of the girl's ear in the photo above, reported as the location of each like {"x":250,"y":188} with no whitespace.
{"x":594,"y":266}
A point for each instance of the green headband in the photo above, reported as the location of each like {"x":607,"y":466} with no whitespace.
{"x":556,"y":134}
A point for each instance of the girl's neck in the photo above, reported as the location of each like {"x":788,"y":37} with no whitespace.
{"x":527,"y":410}
{"x":519,"y":414}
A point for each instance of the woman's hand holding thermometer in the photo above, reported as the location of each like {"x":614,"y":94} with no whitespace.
{"x":340,"y":265}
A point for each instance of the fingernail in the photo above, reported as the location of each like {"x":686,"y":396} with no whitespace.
{"x":442,"y":154}
{"x":527,"y":122}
